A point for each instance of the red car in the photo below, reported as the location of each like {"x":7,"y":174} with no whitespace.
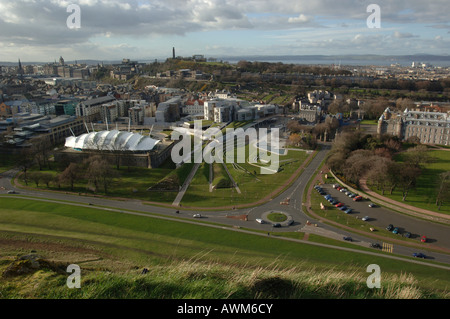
{"x":357,"y":198}
{"x":339,"y":188}
{"x":423,"y":239}
{"x":339,"y":205}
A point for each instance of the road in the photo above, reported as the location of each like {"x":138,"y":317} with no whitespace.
{"x":295,"y":209}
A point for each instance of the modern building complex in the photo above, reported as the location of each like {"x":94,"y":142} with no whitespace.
{"x":429,"y":127}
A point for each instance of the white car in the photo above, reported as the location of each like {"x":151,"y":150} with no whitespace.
{"x":11,"y":192}
{"x":259,"y":220}
{"x":365,"y":218}
{"x":197,"y":216}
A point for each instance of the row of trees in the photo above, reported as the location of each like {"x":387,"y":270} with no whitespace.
{"x":95,"y":171}
{"x":357,"y":156}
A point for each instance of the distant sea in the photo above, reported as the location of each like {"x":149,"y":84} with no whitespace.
{"x":438,"y":61}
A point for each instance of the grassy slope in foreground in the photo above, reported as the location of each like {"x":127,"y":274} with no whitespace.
{"x":187,"y":261}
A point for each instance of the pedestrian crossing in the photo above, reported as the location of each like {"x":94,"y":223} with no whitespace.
{"x":387,"y":247}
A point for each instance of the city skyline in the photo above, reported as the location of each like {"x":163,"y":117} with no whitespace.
{"x":142,"y":30}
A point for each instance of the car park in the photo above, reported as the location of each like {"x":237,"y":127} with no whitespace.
{"x":348,"y":238}
{"x":390,"y":227}
{"x":419,"y":255}
{"x":259,"y":220}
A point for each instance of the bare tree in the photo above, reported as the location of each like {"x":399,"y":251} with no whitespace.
{"x":443,"y":193}
{"x":70,"y":175}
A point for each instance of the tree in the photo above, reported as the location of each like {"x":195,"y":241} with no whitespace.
{"x":418,"y":156}
{"x":25,"y":161}
{"x":408,"y":175}
{"x":99,"y":172}
{"x":443,"y":192}
{"x":70,"y":175}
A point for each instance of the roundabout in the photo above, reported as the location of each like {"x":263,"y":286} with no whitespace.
{"x":276,"y":216}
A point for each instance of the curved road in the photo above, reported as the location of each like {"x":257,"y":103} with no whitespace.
{"x":295,"y":209}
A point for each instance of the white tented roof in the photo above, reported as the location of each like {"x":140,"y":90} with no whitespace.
{"x":112,"y":141}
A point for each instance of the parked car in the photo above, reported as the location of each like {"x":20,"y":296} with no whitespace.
{"x":11,"y":191}
{"x":375,"y":245}
{"x":419,"y":255}
{"x":197,"y":216}
{"x":343,"y":190}
{"x":259,"y":220}
{"x":339,"y":205}
{"x":365,"y":218}
{"x":371,"y":205}
{"x":390,"y":227}
{"x":348,"y":238}
{"x":336,"y":185}
{"x":334,"y":202}
{"x":339,"y":188}
{"x":423,"y":239}
{"x":395,"y":230}
{"x":348,"y":193}
{"x":348,"y":211}
{"x":407,"y":234}
{"x":276,"y":225}
{"x":357,"y":198}
{"x":352,"y":195}
{"x":343,"y":208}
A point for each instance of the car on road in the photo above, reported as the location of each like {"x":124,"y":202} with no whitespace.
{"x":375,"y":245}
{"x":395,"y":230}
{"x":357,"y":198}
{"x":365,"y":218}
{"x":348,"y":238}
{"x":259,"y":220}
{"x":423,"y":239}
{"x":419,"y":255}
{"x":339,"y":205}
{"x":371,"y":205}
{"x":390,"y":227}
{"x":276,"y":225}
{"x":197,"y":216}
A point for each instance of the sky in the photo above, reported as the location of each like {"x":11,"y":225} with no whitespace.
{"x":38,"y":30}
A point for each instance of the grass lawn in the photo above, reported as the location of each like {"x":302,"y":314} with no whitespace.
{"x":137,"y":241}
{"x":424,"y":194}
{"x":252,"y":184}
